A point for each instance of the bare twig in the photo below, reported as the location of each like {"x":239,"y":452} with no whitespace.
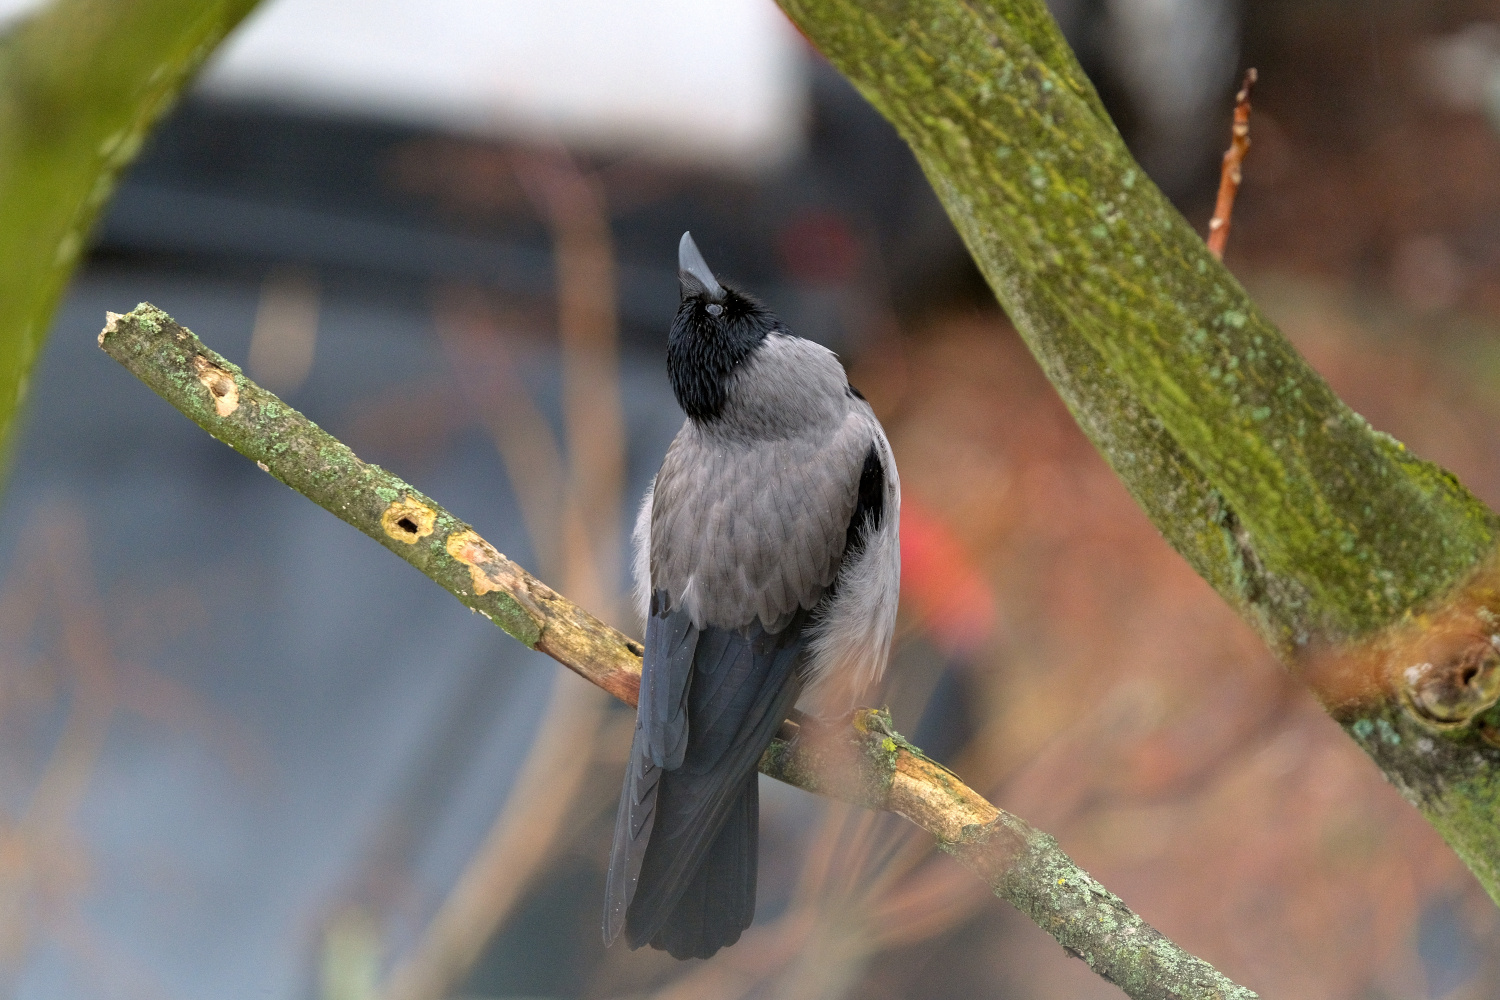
{"x":1229,"y":175}
{"x":866,"y":763}
{"x":586,"y":541}
{"x":495,"y":392}
{"x":572,"y":203}
{"x":513,"y":851}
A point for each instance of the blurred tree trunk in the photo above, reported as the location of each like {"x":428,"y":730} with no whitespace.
{"x":1370,"y":572}
{"x":81,"y":84}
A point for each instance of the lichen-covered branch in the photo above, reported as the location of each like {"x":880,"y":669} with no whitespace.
{"x":1361,"y":565}
{"x":1317,"y":526}
{"x":81,"y":84}
{"x":865,"y":762}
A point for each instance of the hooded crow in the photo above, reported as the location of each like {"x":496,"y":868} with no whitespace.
{"x":767,"y":567}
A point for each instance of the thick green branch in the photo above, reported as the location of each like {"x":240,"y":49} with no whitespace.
{"x":1320,"y":528}
{"x":1340,"y":547}
{"x":866,"y":762}
{"x":81,"y":84}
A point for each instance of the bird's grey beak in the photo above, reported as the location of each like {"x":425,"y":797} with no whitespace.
{"x":693,"y":272}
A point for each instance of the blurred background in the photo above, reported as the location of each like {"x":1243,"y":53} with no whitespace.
{"x":244,"y":753}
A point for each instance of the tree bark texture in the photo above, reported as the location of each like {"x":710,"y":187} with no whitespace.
{"x":1367,"y":570}
{"x":865,"y":762}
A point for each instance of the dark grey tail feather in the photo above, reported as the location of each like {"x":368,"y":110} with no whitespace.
{"x":719,"y":903}
{"x":660,"y":741}
{"x":693,"y":801}
{"x":667,"y":832}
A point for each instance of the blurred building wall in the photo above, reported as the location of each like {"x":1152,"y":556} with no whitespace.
{"x":716,"y":82}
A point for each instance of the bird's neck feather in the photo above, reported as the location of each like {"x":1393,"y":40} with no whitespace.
{"x":703,"y":352}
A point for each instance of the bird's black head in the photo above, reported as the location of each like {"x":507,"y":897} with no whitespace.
{"x":716,"y":329}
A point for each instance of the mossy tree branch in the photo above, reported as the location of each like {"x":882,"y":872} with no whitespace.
{"x":866,"y":762}
{"x":81,"y":84}
{"x":1357,"y":562}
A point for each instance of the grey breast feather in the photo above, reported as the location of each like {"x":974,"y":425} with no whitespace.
{"x":742,"y":530}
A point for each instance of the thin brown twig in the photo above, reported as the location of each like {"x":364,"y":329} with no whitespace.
{"x":494,"y":390}
{"x":572,"y":204}
{"x":517,"y":845}
{"x":866,"y":763}
{"x":1229,"y":174}
{"x":586,"y":543}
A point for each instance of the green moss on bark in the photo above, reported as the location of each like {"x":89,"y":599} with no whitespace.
{"x":1316,"y":527}
{"x":1026,"y":867}
{"x":1323,"y":533}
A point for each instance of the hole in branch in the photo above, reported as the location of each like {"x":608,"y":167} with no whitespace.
{"x":408,"y":520}
{"x":219,"y":383}
{"x":1453,"y":690}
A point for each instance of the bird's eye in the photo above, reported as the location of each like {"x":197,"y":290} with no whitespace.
{"x":714,"y":309}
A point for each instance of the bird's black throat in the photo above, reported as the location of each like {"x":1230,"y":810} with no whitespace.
{"x":706,"y":346}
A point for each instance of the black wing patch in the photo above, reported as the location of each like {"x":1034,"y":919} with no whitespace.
{"x":869,"y":508}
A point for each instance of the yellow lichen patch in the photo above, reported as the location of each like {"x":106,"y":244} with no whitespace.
{"x":407,"y":520}
{"x":220,"y":385}
{"x":489,"y":567}
{"x":927,"y":794}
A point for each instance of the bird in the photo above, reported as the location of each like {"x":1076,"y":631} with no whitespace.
{"x":767,"y":568}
